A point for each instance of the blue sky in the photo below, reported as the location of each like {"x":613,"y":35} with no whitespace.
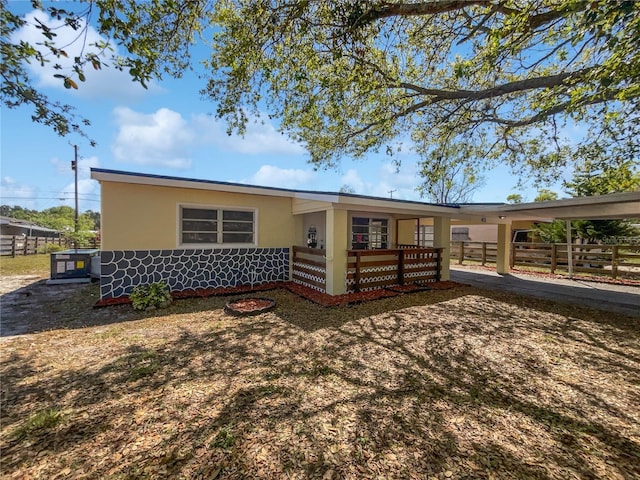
{"x":168,"y":129}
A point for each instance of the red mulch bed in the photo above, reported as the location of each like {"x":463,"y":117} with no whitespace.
{"x":412,"y":287}
{"x":307,"y":293}
{"x":220,"y":292}
{"x":327,"y":300}
{"x":200,"y":293}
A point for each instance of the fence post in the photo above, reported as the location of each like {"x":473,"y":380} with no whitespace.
{"x":554,"y":257}
{"x":438,"y":263}
{"x":614,"y":261}
{"x":484,"y":253}
{"x":400,"y":267}
{"x":461,"y":258}
{"x":35,"y":248}
{"x":26,"y":246}
{"x":512,"y":257}
{"x":13,"y":246}
{"x":357,"y":272}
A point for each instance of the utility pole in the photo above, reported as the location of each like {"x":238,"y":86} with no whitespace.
{"x":74,"y":167}
{"x":391,"y":193}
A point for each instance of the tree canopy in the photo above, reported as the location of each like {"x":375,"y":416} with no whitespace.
{"x":353,"y":77}
{"x":59,"y":218}
{"x":593,"y":177}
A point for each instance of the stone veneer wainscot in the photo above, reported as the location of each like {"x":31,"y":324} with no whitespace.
{"x":121,"y":270}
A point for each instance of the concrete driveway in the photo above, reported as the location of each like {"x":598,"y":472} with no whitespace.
{"x":603,"y":296}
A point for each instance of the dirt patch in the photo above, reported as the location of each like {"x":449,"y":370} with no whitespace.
{"x":458,"y":383}
{"x":30,"y":305}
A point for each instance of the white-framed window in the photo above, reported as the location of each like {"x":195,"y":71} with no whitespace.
{"x":425,"y":238}
{"x":202,"y":225}
{"x":369,"y":233}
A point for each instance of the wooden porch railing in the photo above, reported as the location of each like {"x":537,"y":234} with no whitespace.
{"x":372,"y":269}
{"x":310,"y":267}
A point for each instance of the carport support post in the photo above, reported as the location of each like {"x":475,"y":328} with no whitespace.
{"x":569,"y":250}
{"x":442,"y":239}
{"x":337,"y":246}
{"x":504,"y":250}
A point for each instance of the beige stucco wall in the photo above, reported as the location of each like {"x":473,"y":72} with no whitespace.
{"x":337,"y":226}
{"x":406,"y":231}
{"x":145,"y":217}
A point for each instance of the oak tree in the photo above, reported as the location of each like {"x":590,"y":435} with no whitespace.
{"x":348,"y":78}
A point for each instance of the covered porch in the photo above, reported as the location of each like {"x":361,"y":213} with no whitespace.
{"x":369,"y":269}
{"x":350,"y":243}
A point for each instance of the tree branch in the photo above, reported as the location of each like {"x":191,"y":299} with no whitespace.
{"x":442,"y":6}
{"x":497,"y":91}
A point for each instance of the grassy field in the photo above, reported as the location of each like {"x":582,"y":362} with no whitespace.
{"x":25,"y":265}
{"x":460,"y":383}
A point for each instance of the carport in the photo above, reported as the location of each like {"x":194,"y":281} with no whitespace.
{"x":614,"y":206}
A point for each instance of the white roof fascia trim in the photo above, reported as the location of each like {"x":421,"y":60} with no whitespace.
{"x":320,"y":197}
{"x":397,"y":206}
{"x":167,"y":182}
{"x":344,"y":202}
{"x":624,"y":197}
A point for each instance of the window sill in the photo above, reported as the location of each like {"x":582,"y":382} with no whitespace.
{"x":215,"y":246}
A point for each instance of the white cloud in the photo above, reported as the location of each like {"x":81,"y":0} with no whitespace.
{"x":352,"y":179}
{"x":162,"y":138}
{"x":13,"y":192}
{"x":63,"y":167}
{"x":260,"y":138}
{"x":271,"y":176}
{"x":88,"y":189}
{"x":402,"y":181}
{"x":105,"y":83}
{"x":166,"y":139}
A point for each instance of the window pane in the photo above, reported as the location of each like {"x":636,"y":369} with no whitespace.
{"x":199,"y":226}
{"x":367,"y":233}
{"x":237,"y":215}
{"x":237,"y":227}
{"x":194,"y":237}
{"x":199,"y":213}
{"x":237,"y":237}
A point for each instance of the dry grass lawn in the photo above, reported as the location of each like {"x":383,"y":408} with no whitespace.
{"x":451,"y":384}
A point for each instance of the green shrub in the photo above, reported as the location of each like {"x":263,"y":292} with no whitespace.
{"x":154,"y":295}
{"x":51,"y":248}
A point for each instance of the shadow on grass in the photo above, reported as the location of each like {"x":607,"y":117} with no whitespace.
{"x":460,"y":382}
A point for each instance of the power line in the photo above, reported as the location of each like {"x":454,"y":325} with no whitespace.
{"x":49,"y":198}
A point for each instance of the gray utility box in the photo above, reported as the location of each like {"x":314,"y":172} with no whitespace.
{"x":75,"y":263}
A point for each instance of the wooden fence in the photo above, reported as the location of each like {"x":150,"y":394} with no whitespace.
{"x":310,"y":268}
{"x":607,"y":260}
{"x":483,"y":252}
{"x":371,"y":269}
{"x":13,"y":245}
